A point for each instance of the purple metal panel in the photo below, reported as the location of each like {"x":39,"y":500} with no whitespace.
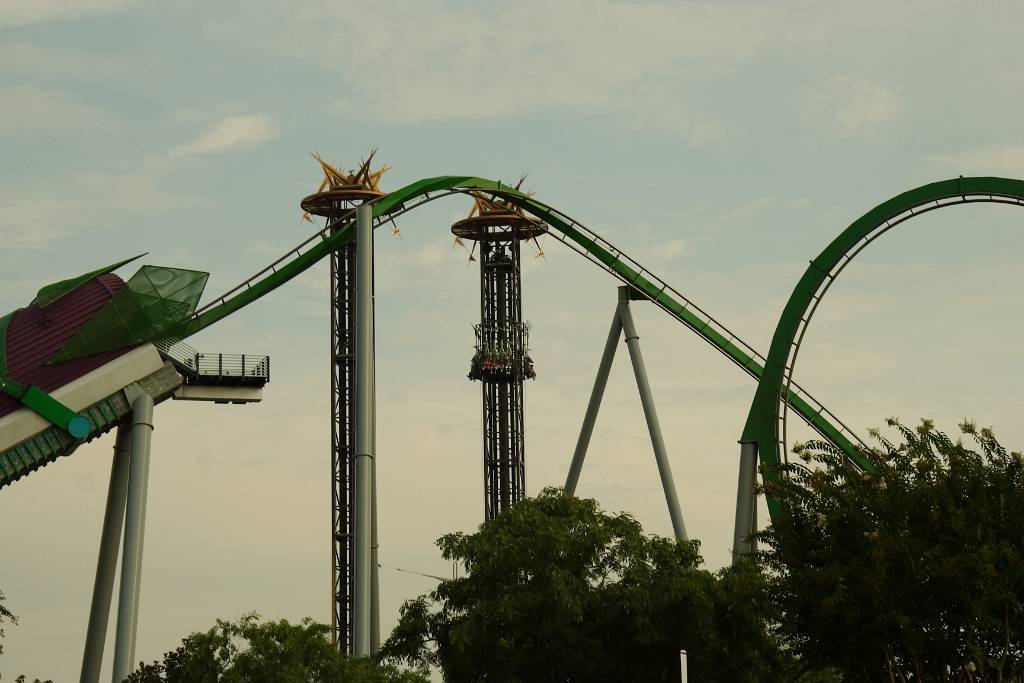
{"x":35,"y":334}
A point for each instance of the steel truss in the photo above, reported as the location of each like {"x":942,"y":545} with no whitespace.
{"x":501,"y":364}
{"x":343,"y":422}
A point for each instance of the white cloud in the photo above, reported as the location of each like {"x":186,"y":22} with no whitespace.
{"x":25,"y":12}
{"x":409,"y":63}
{"x":741,"y":213}
{"x":675,"y":248}
{"x":230,"y":132}
{"x":25,"y":59}
{"x":28,"y":108}
{"x":851,"y":105}
{"x":38,"y":218}
{"x":1005,"y":159}
{"x":26,"y":223}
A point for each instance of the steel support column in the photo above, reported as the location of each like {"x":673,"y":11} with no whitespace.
{"x":746,"y":502}
{"x":653,"y":426}
{"x":374,"y":542}
{"x":134,"y":533}
{"x":362,"y":574}
{"x":600,"y":382}
{"x":106,"y":564}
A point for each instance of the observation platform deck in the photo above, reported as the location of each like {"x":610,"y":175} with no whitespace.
{"x":217,"y":377}
{"x":29,"y":442}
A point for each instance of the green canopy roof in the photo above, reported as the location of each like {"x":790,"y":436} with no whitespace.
{"x":50,"y":293}
{"x":155,"y":302}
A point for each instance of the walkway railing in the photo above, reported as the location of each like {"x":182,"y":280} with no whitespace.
{"x":215,"y":368}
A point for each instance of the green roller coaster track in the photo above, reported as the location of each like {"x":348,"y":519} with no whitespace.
{"x":569,"y":232}
{"x":776,"y":391}
{"x":766,"y":421}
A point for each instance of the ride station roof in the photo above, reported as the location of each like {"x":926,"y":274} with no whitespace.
{"x":35,"y":333}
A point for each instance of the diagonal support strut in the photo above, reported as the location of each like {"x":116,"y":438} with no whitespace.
{"x":622,"y":322}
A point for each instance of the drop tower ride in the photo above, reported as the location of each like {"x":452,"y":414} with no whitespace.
{"x":501,"y":358}
{"x":338,"y":195}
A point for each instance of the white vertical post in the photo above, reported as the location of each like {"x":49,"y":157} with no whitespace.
{"x":106,"y":564}
{"x":374,"y":543}
{"x":682,"y":666}
{"x":746,"y":502}
{"x":134,"y":534}
{"x":362,"y":569}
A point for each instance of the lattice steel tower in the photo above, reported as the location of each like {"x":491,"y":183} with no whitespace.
{"x":337,"y":196}
{"x":501,"y":360}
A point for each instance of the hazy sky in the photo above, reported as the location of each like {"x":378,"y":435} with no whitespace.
{"x":721,"y":144}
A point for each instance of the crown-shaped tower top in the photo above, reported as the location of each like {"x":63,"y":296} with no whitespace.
{"x":339,"y":190}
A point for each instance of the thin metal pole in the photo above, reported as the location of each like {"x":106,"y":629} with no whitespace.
{"x":746,"y":502}
{"x":653,"y":426}
{"x":374,"y":574}
{"x":374,"y":544}
{"x":106,"y":564}
{"x":362,"y":571}
{"x":134,"y":532}
{"x":600,"y":382}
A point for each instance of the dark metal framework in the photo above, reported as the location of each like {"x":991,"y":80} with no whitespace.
{"x":343,"y":423}
{"x":337,"y":197}
{"x":501,"y":363}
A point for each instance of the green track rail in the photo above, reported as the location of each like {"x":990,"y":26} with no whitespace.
{"x":567,"y":230}
{"x":766,"y":421}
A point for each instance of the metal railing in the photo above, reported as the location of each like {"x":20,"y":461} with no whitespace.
{"x":233,"y":365}
{"x":206,"y":368}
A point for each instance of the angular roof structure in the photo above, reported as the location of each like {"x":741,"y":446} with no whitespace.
{"x":35,"y":333}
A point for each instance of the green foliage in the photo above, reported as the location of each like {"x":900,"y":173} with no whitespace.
{"x":8,"y":616}
{"x":5,"y":615}
{"x":911,"y":571}
{"x":248,"y":651}
{"x":557,"y":590}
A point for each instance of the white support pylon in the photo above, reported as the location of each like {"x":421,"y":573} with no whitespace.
{"x":622,"y":322}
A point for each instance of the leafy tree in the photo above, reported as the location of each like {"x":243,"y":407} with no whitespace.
{"x":248,"y":651}
{"x":912,"y":571}
{"x":8,"y":616}
{"x":557,"y":590}
{"x":5,"y":615}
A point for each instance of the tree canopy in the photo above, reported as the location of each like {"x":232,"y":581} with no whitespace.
{"x":5,"y":616}
{"x":251,"y":651}
{"x":911,"y":571}
{"x":557,"y":590}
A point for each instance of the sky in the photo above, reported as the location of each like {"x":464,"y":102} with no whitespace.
{"x":721,"y":144}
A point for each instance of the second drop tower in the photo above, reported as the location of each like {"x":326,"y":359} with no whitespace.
{"x":501,"y":358}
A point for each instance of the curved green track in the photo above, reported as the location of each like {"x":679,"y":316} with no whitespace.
{"x":569,"y":232}
{"x":776,"y":393}
{"x":766,"y":420}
